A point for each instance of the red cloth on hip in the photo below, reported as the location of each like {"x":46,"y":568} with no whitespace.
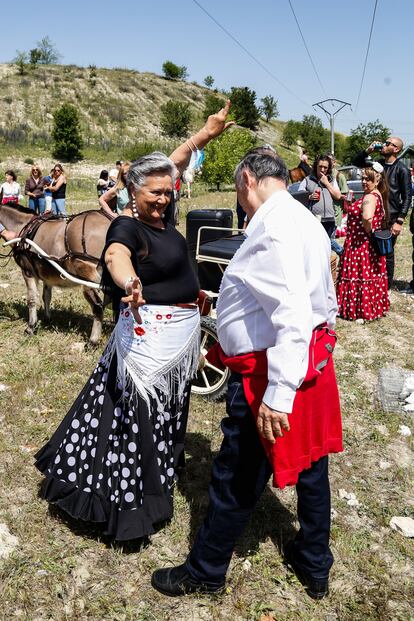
{"x":315,"y":421}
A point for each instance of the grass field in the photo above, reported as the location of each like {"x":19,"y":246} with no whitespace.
{"x":63,"y":571}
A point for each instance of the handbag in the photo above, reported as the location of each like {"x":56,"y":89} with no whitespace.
{"x":382,"y":242}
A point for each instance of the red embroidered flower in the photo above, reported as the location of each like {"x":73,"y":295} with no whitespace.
{"x":168,"y":316}
{"x":139,"y":331}
{"x":159,"y":317}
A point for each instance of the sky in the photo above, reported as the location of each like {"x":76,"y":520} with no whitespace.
{"x":142,"y":35}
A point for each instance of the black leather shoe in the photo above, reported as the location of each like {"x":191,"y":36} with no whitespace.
{"x":316,"y":589}
{"x":176,"y":581}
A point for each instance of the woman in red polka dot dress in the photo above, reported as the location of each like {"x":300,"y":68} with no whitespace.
{"x":362,"y":286}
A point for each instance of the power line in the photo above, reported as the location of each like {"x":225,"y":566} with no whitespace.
{"x":366,"y":55}
{"x":256,"y":60}
{"x":307,"y":49}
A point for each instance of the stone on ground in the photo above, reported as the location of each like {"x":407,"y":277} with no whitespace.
{"x":403,"y":525}
{"x":8,"y":542}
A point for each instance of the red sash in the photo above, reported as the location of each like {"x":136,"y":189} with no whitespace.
{"x":315,"y":421}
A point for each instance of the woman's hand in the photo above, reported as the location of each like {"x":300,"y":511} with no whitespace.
{"x":216,"y":123}
{"x":134,"y":297}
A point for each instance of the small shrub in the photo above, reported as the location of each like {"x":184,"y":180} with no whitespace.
{"x":175,"y":118}
{"x":116,"y":113}
{"x":8,"y":99}
{"x":139,"y":149}
{"x":66,"y":133}
{"x":29,"y":160}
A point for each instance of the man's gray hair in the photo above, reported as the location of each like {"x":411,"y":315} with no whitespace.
{"x":262,"y":162}
{"x":155,"y":162}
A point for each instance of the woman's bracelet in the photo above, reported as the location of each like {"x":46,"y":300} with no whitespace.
{"x":131,"y":280}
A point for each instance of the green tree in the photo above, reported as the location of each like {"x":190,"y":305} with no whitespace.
{"x":175,"y":118}
{"x":66,"y":133}
{"x":21,"y":61}
{"x":362,"y":136}
{"x":208,"y":81}
{"x":48,"y":52}
{"x":223,"y":154}
{"x":243,"y":107}
{"x":291,"y":132}
{"x":173,"y":71}
{"x":212,"y":104}
{"x":269,"y":108}
{"x":35,"y":56}
{"x":314,"y":135}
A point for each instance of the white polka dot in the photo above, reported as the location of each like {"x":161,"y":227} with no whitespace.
{"x":101,"y":399}
{"x":170,"y":472}
{"x":57,"y":459}
{"x":69,"y":448}
{"x":89,"y":479}
{"x":129,"y":497}
{"x":135,"y":428}
{"x":132,"y":481}
{"x":109,"y":483}
{"x":138,"y":471}
{"x":74,"y":437}
{"x":100,"y":387}
{"x":88,"y":417}
{"x":71,"y":461}
{"x":115,"y":473}
{"x":72,"y":476}
{"x":114,"y":458}
{"x":59,"y":471}
{"x":83,"y":454}
{"x":93,"y":451}
{"x":130,"y":461}
{"x":100,"y":476}
{"x":124,"y":484}
{"x":94,"y":422}
{"x":126,"y":472}
{"x":161,"y":446}
{"x":75,"y":424}
{"x":122,"y":458}
{"x":114,"y":424}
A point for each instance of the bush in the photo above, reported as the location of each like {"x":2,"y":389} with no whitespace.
{"x":173,"y":71}
{"x":29,"y":160}
{"x":139,"y":149}
{"x":175,"y":118}
{"x":243,"y":107}
{"x":212,"y":104}
{"x":66,"y":134}
{"x":223,"y":154}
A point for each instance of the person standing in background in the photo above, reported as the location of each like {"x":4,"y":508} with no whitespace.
{"x":399,"y":182}
{"x":34,"y":190}
{"x":58,"y":189}
{"x":10,"y":189}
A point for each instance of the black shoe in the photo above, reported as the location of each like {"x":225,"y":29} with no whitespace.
{"x":316,"y":589}
{"x":177,"y":581}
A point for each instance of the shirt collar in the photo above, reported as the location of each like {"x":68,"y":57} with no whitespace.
{"x":263,"y":210}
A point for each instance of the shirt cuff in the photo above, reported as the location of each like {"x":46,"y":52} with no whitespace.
{"x":279,"y":399}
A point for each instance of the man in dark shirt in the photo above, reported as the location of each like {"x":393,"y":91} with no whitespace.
{"x":399,"y":181}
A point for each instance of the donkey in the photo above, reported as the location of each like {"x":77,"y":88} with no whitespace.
{"x":76,"y":244}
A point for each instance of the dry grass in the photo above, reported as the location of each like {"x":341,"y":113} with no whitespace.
{"x":66,"y":571}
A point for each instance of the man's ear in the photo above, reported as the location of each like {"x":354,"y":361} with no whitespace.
{"x":248,"y":179}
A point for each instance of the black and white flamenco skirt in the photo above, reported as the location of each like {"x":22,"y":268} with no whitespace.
{"x":113,"y":458}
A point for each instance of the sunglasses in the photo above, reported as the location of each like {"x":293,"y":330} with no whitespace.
{"x":388,"y":143}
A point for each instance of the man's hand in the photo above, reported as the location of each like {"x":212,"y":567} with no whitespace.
{"x":270,"y":423}
{"x":396,"y":229}
{"x":216,"y":123}
{"x":134,"y":299}
{"x":324,"y":180}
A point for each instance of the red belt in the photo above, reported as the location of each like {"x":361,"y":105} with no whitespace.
{"x":189,"y":305}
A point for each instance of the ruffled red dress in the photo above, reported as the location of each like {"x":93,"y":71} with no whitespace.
{"x":362,"y":285}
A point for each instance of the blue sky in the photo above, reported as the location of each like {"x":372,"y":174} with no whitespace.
{"x":142,"y":35}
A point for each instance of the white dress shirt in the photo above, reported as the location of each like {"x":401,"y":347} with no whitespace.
{"x":276,"y":289}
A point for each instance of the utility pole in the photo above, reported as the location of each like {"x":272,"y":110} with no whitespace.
{"x":339,"y":105}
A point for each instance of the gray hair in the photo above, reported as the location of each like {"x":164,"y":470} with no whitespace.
{"x":262,"y":162}
{"x":141,"y":168}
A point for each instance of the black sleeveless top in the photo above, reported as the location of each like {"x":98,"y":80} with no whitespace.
{"x":160,"y":258}
{"x":60,"y":192}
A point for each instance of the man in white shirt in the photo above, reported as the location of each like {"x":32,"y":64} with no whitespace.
{"x":275,"y":296}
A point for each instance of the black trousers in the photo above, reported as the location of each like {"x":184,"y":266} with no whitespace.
{"x":390,"y":263}
{"x":240,"y":473}
{"x":412,"y":266}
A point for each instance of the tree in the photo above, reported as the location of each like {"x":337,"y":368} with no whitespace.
{"x":173,"y":71}
{"x":175,"y":118}
{"x":291,"y":132}
{"x":48,"y":52}
{"x":243,"y":107}
{"x":35,"y":56}
{"x":66,"y":133}
{"x":362,"y":136}
{"x":269,"y":108}
{"x":212,"y":104}
{"x":209,"y":81}
{"x":21,"y":61}
{"x":314,"y":135}
{"x":223,"y":154}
